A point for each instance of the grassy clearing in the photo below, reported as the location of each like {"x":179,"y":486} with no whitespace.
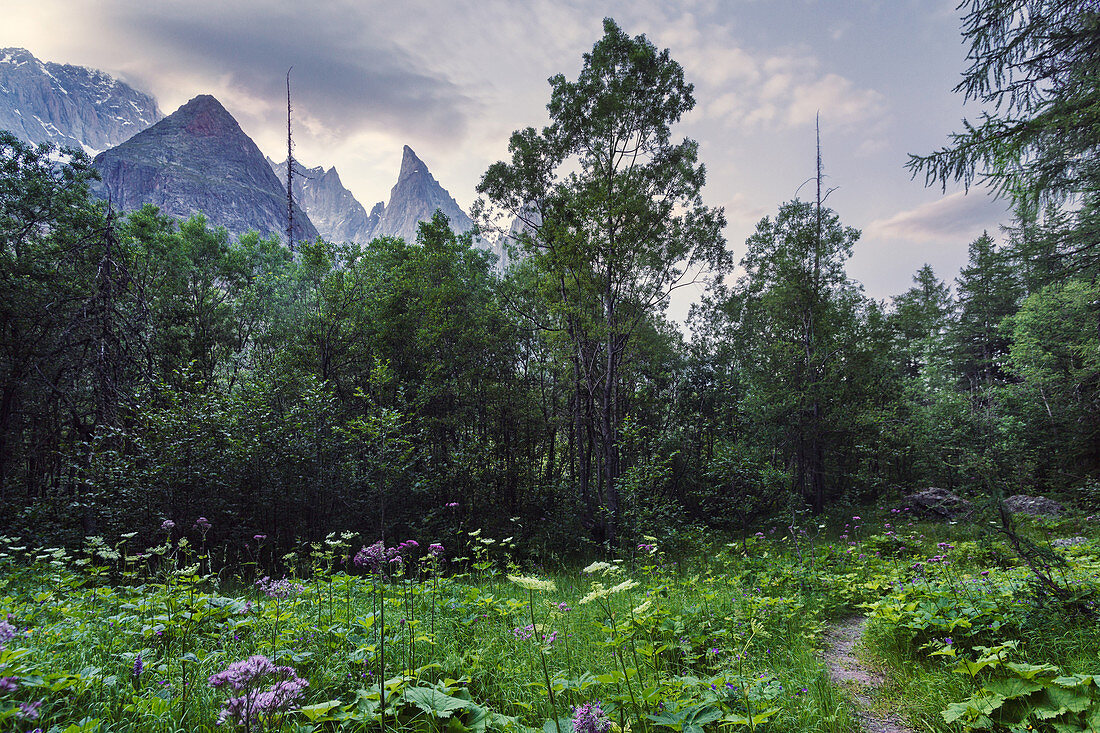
{"x":110,"y":641}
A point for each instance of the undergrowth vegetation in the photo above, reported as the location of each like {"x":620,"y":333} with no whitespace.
{"x":416,"y":637}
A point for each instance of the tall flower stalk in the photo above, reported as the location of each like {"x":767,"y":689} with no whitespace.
{"x":532,"y":585}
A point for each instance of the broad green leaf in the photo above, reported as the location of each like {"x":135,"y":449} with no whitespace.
{"x":434,"y":702}
{"x":1012,"y":687}
{"x":318,"y":711}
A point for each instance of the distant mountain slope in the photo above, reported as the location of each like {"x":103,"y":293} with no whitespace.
{"x":338,"y":216}
{"x":415,"y":198}
{"x":341,"y":218}
{"x":199,"y":160}
{"x":69,"y":105}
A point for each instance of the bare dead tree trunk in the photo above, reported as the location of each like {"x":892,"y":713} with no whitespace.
{"x":289,"y":170}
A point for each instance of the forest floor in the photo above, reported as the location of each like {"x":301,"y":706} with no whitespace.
{"x":852,"y":674}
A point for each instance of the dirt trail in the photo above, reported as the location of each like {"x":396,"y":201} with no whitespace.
{"x":850,"y":673}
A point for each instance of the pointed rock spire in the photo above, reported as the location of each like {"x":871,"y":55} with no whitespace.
{"x":415,"y":198}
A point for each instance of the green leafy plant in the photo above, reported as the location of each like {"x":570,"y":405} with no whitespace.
{"x":1023,"y":697}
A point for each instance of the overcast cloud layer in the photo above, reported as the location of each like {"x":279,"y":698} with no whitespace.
{"x":453,"y":78}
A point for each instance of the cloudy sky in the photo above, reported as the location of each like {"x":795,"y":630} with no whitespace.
{"x":453,"y":78}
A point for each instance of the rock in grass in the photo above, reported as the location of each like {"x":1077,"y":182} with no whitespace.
{"x":1034,"y":505}
{"x":935,"y":503}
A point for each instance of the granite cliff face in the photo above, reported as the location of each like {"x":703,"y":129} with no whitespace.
{"x":199,"y":160}
{"x":415,"y":198}
{"x":338,"y":216}
{"x":69,"y":105}
{"x":341,"y":218}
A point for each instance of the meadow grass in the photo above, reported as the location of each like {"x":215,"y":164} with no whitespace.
{"x":103,"y":640}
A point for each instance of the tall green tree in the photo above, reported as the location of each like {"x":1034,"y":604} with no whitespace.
{"x":616,"y":221}
{"x":1035,"y":65}
{"x":988,"y":292}
{"x":1055,"y":351}
{"x":792,"y":316}
{"x":57,"y":304}
{"x":921,"y":316}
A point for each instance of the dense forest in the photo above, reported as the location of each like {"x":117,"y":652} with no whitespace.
{"x":154,"y":369}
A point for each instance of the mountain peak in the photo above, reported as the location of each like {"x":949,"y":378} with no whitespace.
{"x":199,"y":160}
{"x":415,"y":198}
{"x":68,"y":105}
{"x":16,"y":55}
{"x":410,"y":164}
{"x":206,"y":117}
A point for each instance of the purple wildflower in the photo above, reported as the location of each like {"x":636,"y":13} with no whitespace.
{"x":279,"y":588}
{"x":29,"y":710}
{"x":203,"y":525}
{"x":372,"y":557}
{"x":259,"y":537}
{"x":139,"y":665}
{"x":435,"y":550}
{"x":167,"y":525}
{"x":7,"y":631}
{"x":452,"y":505}
{"x":590,"y":718}
{"x":249,"y":677}
{"x":8,"y":684}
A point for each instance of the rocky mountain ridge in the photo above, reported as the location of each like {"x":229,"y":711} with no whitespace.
{"x":339,"y":217}
{"x":337,"y":214}
{"x":198,"y":160}
{"x":69,"y":105}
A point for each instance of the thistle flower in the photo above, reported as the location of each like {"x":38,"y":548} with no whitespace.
{"x":526,"y":581}
{"x":590,"y":718}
